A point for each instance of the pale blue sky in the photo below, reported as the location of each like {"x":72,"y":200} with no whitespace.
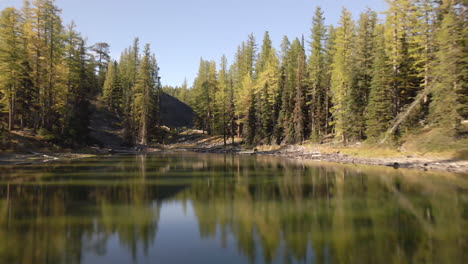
{"x":182,"y":31}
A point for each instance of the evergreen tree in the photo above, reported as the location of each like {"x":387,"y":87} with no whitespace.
{"x":101,"y":50}
{"x":145,"y":97}
{"x":50,"y":30}
{"x":329,"y":53}
{"x":205,"y":87}
{"x":250,"y":56}
{"x":450,"y":93}
{"x":341,"y":83}
{"x":300,"y":111}
{"x":317,"y":75}
{"x":81,"y":84}
{"x":267,"y":90}
{"x":363,"y":71}
{"x":423,"y":30}
{"x":221,"y":100}
{"x":399,"y":18}
{"x":379,"y":112}
{"x":283,"y":105}
{"x":293,"y":83}
{"x":14,"y":77}
{"x":112,"y":88}
{"x":251,"y":120}
{"x":264,"y":53}
{"x":128,"y":69}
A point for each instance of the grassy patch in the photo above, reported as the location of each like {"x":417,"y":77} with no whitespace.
{"x":438,"y":142}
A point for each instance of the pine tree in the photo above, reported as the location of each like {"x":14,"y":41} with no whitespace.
{"x":251,"y":120}
{"x":267,"y":89}
{"x":300,"y":112}
{"x":341,"y":83}
{"x":221,"y":100}
{"x":231,"y":106}
{"x":287,"y":90}
{"x":363,"y":71}
{"x":423,"y":30}
{"x":250,"y":56}
{"x":243,"y":100}
{"x":109,"y":84}
{"x":379,"y":112}
{"x":145,"y":93}
{"x":101,"y":50}
{"x":14,"y":79}
{"x":112,"y":88}
{"x":450,"y":93}
{"x":399,"y":18}
{"x":264,"y":53}
{"x":211,"y":89}
{"x":243,"y":75}
{"x":128,"y":69}
{"x":205,"y":87}
{"x":281,"y":95}
{"x":317,"y":75}
{"x":329,"y":53}
{"x":81,"y":84}
{"x":51,"y":29}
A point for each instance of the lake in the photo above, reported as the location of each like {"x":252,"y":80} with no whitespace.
{"x":210,"y":208}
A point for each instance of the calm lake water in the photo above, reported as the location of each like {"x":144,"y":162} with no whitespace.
{"x":196,"y":208}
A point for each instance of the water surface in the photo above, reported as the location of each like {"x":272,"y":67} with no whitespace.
{"x":195,"y":208}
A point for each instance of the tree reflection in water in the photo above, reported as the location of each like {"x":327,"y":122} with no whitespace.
{"x":270,"y":210}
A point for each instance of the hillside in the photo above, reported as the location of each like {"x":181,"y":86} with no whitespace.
{"x":174,"y":113}
{"x":106,"y":128}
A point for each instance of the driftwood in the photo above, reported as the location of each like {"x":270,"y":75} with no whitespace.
{"x":404,"y":114}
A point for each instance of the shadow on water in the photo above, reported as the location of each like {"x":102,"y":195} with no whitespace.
{"x":193,"y":208}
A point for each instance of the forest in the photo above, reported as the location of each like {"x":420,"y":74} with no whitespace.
{"x":361,"y":80}
{"x":50,"y":76}
{"x":380,"y":77}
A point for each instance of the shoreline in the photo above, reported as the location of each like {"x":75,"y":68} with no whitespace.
{"x":290,"y":152}
{"x":302,"y":153}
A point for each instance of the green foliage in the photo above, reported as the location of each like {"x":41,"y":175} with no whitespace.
{"x":342,"y":77}
{"x":364,"y":74}
{"x":145,"y":96}
{"x":356,"y":79}
{"x":47,"y":72}
{"x":379,"y":111}
{"x":251,"y":121}
{"x":317,"y":76}
{"x":450,"y":93}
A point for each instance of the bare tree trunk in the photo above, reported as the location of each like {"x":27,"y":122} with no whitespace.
{"x":10,"y":115}
{"x":224,"y":129}
{"x":403,"y":115}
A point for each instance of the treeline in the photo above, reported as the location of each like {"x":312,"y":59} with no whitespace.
{"x":347,"y":82}
{"x":131,"y":90}
{"x":49,"y":76}
{"x":47,"y":73}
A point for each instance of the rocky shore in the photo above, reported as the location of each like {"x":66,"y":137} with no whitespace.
{"x":304,"y":153}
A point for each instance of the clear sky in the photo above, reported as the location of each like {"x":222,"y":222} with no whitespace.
{"x":182,"y":31}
